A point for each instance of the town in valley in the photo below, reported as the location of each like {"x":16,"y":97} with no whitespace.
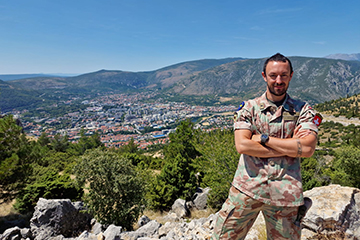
{"x":118,"y":118}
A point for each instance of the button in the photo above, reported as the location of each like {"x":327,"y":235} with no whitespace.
{"x":271,"y":163}
{"x":272,"y":110}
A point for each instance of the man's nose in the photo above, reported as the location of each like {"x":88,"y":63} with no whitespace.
{"x":278,"y":79}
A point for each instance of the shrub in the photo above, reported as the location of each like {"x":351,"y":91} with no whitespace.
{"x":49,"y":186}
{"x":115,"y":188}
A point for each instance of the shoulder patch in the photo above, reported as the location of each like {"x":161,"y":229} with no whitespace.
{"x":317,"y":119}
{"x":236,"y":113}
{"x":241,"y":106}
{"x":235,"y":116}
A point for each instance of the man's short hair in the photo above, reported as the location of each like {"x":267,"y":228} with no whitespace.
{"x":278,"y":57}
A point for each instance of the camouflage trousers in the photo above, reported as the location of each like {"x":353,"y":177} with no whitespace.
{"x":239,"y":213}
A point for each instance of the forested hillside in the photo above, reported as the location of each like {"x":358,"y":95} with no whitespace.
{"x":348,"y":107}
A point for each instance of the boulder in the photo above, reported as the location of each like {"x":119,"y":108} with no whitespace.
{"x":58,"y":217}
{"x":88,"y":236}
{"x":151,"y":228}
{"x":16,"y":233}
{"x":335,"y":210}
{"x":200,"y":198}
{"x":96,"y":227}
{"x":113,"y":232}
{"x":143,"y":220}
{"x":180,"y":208}
{"x":11,"y":234}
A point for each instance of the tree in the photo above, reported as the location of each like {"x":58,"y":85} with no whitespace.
{"x":218,"y":164}
{"x":16,"y":155}
{"x":115,"y":189}
{"x":346,"y":167}
{"x":131,"y":147}
{"x":43,"y":140}
{"x":176,"y":180}
{"x":182,"y":142}
{"x":87,"y":142}
{"x":50,"y":185}
{"x":59,"y":143}
{"x":312,"y":172}
{"x":177,"y":177}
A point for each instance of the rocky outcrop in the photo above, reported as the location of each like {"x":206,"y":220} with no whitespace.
{"x":58,"y":217}
{"x":335,"y":212}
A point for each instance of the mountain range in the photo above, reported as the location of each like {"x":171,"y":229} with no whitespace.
{"x":349,"y":57}
{"x":315,"y":80}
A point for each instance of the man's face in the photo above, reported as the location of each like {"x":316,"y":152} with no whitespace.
{"x":277,"y":78}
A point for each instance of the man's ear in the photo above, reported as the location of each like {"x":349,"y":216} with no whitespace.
{"x":291,"y":75}
{"x":264,"y":76}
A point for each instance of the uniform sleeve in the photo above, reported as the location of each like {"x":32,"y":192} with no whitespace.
{"x":306,"y":118}
{"x":243,"y":119}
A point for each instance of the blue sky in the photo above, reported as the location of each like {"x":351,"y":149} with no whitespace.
{"x":81,"y":36}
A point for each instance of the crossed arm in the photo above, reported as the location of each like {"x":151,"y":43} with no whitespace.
{"x":302,"y":144}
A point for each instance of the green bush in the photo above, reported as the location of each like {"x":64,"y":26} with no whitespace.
{"x":115,"y":188}
{"x":345,"y":168}
{"x":312,"y":173}
{"x":49,"y":186}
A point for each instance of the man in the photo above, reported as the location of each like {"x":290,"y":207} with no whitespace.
{"x":272,"y":132}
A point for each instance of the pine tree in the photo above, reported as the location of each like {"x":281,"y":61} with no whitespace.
{"x":177,"y":178}
{"x":15,"y":156}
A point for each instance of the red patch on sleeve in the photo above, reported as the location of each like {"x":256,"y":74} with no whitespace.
{"x":317,"y":120}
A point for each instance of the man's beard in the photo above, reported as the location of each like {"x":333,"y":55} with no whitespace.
{"x":277,"y":93}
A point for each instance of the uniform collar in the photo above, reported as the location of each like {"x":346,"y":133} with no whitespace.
{"x":287,"y":104}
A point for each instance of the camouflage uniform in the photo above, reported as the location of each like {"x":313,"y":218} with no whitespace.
{"x":270,"y":185}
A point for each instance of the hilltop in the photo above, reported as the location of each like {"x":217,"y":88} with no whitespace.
{"x":207,"y":81}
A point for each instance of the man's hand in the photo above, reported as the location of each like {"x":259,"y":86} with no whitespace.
{"x":302,"y":144}
{"x":247,"y":143}
{"x":256,"y":137}
{"x":298,"y":133}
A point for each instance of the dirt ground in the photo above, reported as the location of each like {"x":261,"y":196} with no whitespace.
{"x":6,"y":208}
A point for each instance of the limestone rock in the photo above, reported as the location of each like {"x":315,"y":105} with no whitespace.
{"x":113,"y":232}
{"x":200,"y":198}
{"x":143,"y":220}
{"x":180,"y":208}
{"x":335,"y":209}
{"x":58,"y":217}
{"x":11,"y":234}
{"x":96,"y":227}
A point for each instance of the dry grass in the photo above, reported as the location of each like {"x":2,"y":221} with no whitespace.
{"x":158,"y":216}
{"x":6,"y":208}
{"x":195,"y":214}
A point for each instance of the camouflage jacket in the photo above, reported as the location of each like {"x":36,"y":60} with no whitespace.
{"x":274,"y":181}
